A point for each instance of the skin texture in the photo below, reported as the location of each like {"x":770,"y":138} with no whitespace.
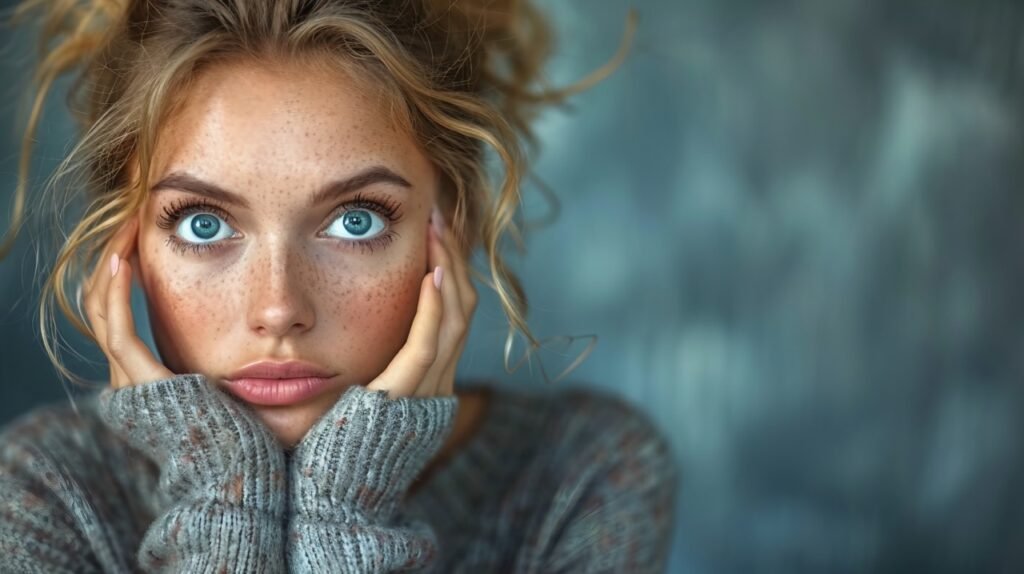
{"x":284,"y":282}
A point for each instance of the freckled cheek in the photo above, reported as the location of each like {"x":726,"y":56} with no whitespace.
{"x":374,"y":315}
{"x":189,"y":314}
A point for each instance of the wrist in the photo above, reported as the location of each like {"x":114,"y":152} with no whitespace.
{"x":200,"y":438}
{"x":361,"y":457}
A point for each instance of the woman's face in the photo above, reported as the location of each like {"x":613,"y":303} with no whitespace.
{"x":245,"y":250}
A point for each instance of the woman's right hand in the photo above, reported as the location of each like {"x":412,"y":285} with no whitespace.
{"x":107,"y":300}
{"x":221,"y":497}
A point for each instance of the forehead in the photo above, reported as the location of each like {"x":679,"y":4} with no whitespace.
{"x":245,"y":122}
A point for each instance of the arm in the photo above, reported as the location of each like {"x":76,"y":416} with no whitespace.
{"x":348,"y":478}
{"x":221,"y":487}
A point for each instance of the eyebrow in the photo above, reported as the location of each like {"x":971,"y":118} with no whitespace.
{"x":183,"y":181}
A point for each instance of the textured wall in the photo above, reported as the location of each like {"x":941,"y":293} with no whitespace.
{"x":795,"y":227}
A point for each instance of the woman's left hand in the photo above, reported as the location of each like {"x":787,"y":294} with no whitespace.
{"x":425,"y":365}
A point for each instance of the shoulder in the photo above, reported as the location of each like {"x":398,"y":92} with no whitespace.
{"x":581,"y":425}
{"x":43,"y":502}
{"x":49,"y":429}
{"x":574,"y":430}
{"x":70,"y":439}
{"x":580,"y":439}
{"x":55,"y":432}
{"x":66,"y":462}
{"x":610,"y":486}
{"x":606,"y":430}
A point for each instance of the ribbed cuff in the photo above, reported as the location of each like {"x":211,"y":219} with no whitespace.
{"x":360,"y":458}
{"x":200,"y":438}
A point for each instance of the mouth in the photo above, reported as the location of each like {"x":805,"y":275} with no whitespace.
{"x":277,"y":384}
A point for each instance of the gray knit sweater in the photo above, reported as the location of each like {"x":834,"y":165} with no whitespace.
{"x":177,"y":476}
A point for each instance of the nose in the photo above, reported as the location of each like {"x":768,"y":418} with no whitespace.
{"x":279,"y":304}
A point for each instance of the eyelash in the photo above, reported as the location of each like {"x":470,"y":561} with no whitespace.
{"x":173,"y":213}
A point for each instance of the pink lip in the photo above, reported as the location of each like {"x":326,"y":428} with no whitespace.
{"x":268,"y":383}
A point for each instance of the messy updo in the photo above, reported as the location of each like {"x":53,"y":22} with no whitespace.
{"x":462,"y":76}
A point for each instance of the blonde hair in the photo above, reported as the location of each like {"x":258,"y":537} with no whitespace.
{"x":463,"y":76}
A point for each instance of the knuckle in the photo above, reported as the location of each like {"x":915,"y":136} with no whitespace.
{"x":94,"y":311}
{"x":458,"y":323}
{"x":90,"y":307}
{"x":116,"y":346}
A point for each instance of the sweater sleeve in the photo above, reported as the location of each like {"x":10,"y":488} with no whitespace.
{"x":349,"y":475}
{"x":221,"y":490}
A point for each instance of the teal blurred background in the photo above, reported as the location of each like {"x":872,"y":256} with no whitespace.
{"x":796,"y":228}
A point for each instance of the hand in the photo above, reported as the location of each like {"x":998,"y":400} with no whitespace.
{"x":425,"y":365}
{"x":107,"y":295}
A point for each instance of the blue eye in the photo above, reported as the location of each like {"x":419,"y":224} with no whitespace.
{"x":357,"y":224}
{"x":205,"y":227}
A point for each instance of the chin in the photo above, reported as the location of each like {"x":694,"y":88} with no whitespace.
{"x":290,"y":423}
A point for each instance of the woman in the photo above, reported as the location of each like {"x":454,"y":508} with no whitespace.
{"x":279,"y":176}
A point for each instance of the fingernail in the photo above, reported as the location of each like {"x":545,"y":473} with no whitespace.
{"x":115,"y":262}
{"x":438,"y":220}
{"x":438,"y":276}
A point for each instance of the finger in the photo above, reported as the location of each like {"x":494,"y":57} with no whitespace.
{"x":468,"y":302}
{"x":406,"y":370}
{"x":122,"y":243}
{"x":95,"y":310}
{"x":448,"y":376}
{"x":123,"y":343}
{"x":95,"y":288}
{"x":453,"y":323}
{"x":460,"y":272}
{"x":118,"y":378}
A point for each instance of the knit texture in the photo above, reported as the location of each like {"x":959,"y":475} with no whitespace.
{"x":177,"y":476}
